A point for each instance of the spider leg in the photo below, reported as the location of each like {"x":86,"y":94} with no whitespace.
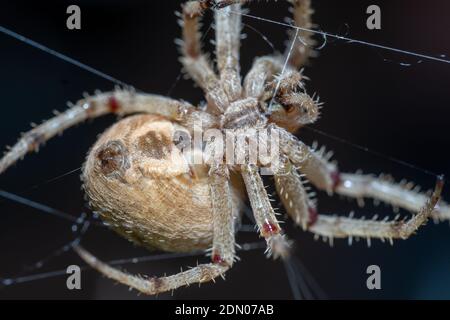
{"x":119,"y":102}
{"x":223,"y":251}
{"x":228,"y":36}
{"x":228,"y":29}
{"x":195,"y":63}
{"x":322,"y":173}
{"x":329,"y":226}
{"x":266,"y":220}
{"x":401,"y":195}
{"x":295,"y":198}
{"x":302,"y":11}
{"x":325,"y":175}
{"x":262,"y":71}
{"x":223,"y":212}
{"x":199,"y":274}
{"x":302,"y":210}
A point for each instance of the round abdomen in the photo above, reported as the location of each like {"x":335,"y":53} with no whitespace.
{"x":144,"y":187}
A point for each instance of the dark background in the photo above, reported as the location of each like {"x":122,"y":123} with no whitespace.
{"x":370,"y":100}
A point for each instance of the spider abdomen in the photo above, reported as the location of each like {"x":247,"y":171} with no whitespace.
{"x":144,"y":187}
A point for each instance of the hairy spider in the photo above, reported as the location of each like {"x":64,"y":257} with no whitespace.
{"x":148,"y":190}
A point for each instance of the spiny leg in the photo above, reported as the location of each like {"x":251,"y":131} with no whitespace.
{"x":302,"y":11}
{"x":223,"y":212}
{"x":303,"y":211}
{"x":264,"y":68}
{"x":228,"y":36}
{"x":294,"y":196}
{"x":118,"y":102}
{"x":325,"y":175}
{"x":223,"y":251}
{"x":401,"y":195}
{"x":322,"y":173}
{"x":264,"y":214}
{"x":199,"y":274}
{"x":340,"y":227}
{"x":262,"y":71}
{"x":195,"y":62}
{"x":303,"y":49}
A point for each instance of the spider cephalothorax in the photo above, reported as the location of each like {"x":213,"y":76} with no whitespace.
{"x":147,"y":188}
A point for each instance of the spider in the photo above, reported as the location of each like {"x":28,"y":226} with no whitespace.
{"x":145,"y":188}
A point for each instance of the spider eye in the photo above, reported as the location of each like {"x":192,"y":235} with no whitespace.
{"x":289,"y":108}
{"x":112,"y":157}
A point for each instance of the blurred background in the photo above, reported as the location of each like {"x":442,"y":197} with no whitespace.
{"x":371,"y":99}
